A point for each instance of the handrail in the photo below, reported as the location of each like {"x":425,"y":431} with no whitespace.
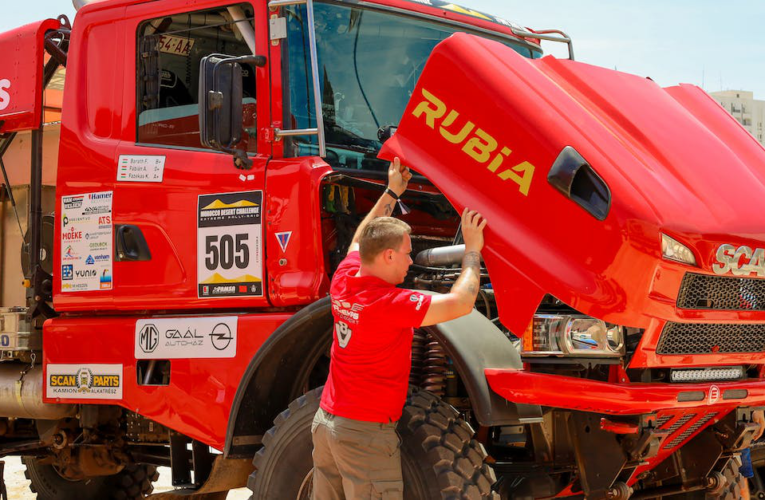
{"x":545,"y":35}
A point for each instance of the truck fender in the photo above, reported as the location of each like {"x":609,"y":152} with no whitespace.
{"x":276,"y":375}
{"x":474,"y":344}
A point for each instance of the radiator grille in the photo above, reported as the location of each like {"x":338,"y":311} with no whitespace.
{"x":700,"y":291}
{"x":711,"y":338}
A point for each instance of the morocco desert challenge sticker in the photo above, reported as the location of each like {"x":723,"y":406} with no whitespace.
{"x":83,"y":381}
{"x":229,"y":248}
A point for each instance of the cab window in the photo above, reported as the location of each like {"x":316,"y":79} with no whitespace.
{"x":369,"y":63}
{"x":170,"y":50}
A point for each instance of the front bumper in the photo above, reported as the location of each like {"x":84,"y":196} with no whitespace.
{"x":578,"y":394}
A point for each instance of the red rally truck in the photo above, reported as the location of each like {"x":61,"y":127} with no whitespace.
{"x":181,"y":178}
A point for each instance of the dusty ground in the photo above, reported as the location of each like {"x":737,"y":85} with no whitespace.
{"x":18,"y":486}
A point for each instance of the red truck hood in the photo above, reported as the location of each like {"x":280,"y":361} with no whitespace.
{"x":673,"y":159}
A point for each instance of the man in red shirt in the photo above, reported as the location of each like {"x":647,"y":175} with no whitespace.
{"x":356,"y":447}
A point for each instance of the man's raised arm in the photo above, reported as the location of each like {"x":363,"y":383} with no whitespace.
{"x":398,"y":179}
{"x":461,"y":298}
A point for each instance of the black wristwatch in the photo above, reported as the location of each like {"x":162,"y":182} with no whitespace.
{"x":390,"y":192}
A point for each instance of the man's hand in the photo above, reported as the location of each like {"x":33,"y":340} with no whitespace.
{"x":472,"y":230}
{"x":398,"y":177}
{"x":758,"y":417}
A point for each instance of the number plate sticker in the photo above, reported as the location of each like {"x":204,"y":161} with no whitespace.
{"x":229,"y":245}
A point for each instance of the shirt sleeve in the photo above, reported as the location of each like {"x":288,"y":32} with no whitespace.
{"x":349,"y":266}
{"x":407,"y":308}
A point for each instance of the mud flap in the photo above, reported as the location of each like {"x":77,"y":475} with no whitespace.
{"x":226,"y":474}
{"x":598,"y":453}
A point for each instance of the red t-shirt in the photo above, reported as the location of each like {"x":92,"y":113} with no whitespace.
{"x":372,"y":345}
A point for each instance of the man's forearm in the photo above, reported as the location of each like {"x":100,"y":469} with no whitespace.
{"x":383,"y":208}
{"x":469,"y":281}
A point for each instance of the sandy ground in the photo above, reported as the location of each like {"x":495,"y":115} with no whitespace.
{"x":18,"y":486}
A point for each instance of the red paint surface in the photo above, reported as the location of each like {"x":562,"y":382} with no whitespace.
{"x":615,"y":399}
{"x":21,"y":64}
{"x":198,"y":400}
{"x":660,"y":151}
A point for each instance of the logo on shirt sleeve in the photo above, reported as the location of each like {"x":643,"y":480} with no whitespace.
{"x":416,"y":297}
{"x":343,"y":334}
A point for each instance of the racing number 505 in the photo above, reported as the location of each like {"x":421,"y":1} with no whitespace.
{"x":227,"y":252}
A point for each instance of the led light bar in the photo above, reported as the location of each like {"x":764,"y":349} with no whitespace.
{"x":707,"y":374}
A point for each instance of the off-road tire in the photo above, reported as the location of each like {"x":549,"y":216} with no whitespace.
{"x":134,"y":482}
{"x":439,"y":458}
{"x":439,"y":452}
{"x":734,"y":482}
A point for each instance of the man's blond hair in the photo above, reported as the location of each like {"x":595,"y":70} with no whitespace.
{"x":381,"y":234}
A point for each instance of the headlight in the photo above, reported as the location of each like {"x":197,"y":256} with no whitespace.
{"x":671,"y":249}
{"x":572,"y":335}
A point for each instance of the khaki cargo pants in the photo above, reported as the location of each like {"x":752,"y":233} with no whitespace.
{"x":355,"y":460}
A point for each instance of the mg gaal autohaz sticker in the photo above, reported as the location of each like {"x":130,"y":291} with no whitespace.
{"x":81,"y":381}
{"x":229,"y":245}
{"x":86,"y":242}
{"x":184,"y":338}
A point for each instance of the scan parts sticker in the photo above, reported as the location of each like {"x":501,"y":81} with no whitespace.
{"x":229,"y":245}
{"x":184,"y":338}
{"x":81,"y":381}
{"x":86,"y":242}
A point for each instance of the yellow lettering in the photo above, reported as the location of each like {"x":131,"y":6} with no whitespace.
{"x":431,"y":114}
{"x":61,"y":380}
{"x":463,"y":10}
{"x":461,"y":135}
{"x":526,"y":170}
{"x":480,"y":147}
{"x":497,"y":161}
{"x":106,"y":381}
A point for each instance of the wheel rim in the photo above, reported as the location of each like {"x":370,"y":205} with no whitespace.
{"x":306,"y":487}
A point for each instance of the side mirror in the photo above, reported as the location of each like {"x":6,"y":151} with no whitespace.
{"x":220,"y":103}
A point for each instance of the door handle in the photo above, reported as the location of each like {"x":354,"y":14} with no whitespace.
{"x":130,"y":244}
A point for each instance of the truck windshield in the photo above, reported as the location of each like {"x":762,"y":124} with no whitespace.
{"x":369,"y":63}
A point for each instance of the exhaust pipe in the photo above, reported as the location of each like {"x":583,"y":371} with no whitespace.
{"x":441,"y":256}
{"x":21,"y":396}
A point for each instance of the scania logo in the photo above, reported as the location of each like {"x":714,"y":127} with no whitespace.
{"x":741,"y":261}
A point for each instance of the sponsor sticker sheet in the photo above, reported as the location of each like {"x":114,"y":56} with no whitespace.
{"x":86,"y":242}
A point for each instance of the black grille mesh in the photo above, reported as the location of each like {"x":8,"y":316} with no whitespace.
{"x":699,"y":291}
{"x":711,"y":338}
{"x":690,"y":431}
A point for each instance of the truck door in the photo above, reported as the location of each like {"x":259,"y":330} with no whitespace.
{"x":187,"y":223}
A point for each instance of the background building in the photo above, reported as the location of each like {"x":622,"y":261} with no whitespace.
{"x":741,"y":104}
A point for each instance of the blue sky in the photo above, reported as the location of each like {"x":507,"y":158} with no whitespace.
{"x":717,"y":44}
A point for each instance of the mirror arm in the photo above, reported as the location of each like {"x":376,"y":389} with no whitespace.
{"x":241,"y":160}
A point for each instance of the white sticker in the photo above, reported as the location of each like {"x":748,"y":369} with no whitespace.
{"x":183,"y":338}
{"x":81,"y":381}
{"x":229,"y":249}
{"x":137,"y":168}
{"x":86,"y":242}
{"x":176,"y":45}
